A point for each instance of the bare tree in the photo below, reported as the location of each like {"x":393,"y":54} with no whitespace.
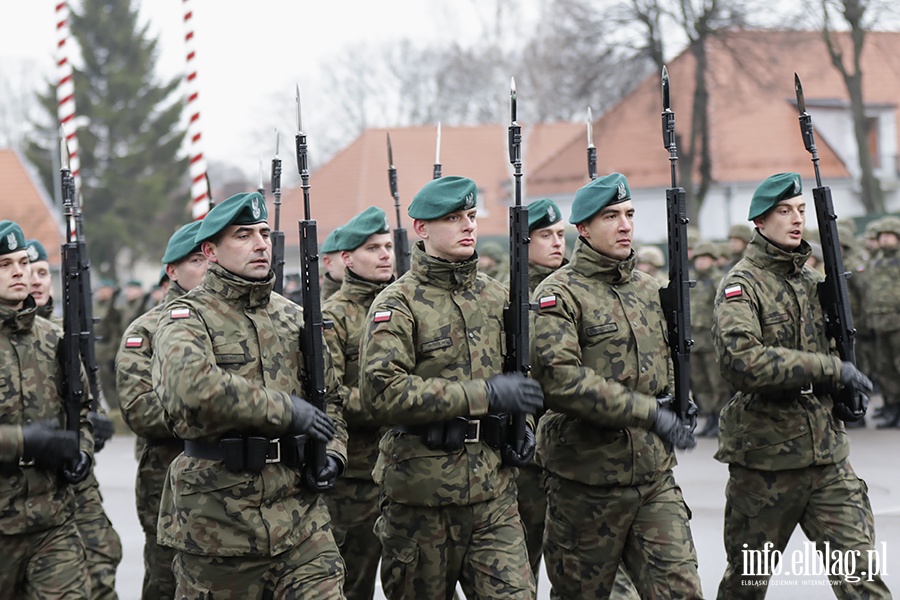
{"x":16,"y":82}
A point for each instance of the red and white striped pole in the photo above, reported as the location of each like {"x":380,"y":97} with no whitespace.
{"x":65,"y":91}
{"x":199,"y":185}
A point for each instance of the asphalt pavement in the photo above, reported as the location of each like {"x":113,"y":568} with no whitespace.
{"x":874,"y":454}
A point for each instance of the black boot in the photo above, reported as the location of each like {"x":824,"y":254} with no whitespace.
{"x":858,"y":424}
{"x":892,"y":417}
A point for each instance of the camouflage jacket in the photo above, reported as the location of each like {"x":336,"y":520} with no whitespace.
{"x":46,"y":311}
{"x":771,"y":346}
{"x":703,"y":299}
{"x":538,"y":273}
{"x":883,"y":291}
{"x":600,"y":354}
{"x":347,"y":310}
{"x":329,"y":287}
{"x":226,"y":360}
{"x":31,"y":389}
{"x":142,"y":409}
{"x":108,"y":329}
{"x":432,"y":340}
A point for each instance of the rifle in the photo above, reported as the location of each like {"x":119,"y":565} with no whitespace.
{"x":277,"y":234}
{"x":311,"y":342}
{"x":675,"y":296}
{"x":401,"y":241}
{"x":591,"y":150}
{"x":833,"y":291}
{"x":437,"y":155}
{"x":515,"y":315}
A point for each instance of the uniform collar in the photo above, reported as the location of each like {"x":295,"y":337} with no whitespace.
{"x":361,"y":290}
{"x":442,"y":273}
{"x":18,"y":320}
{"x":238,"y":290}
{"x":762,"y":252}
{"x":591,"y":263}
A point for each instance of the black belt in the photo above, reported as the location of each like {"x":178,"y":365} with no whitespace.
{"x":168,"y":442}
{"x":790,"y":394}
{"x":453,"y":433}
{"x":250,"y":453}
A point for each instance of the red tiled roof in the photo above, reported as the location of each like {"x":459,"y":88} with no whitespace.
{"x":23,"y":201}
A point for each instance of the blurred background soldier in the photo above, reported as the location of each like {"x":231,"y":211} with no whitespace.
{"x":431,"y":368}
{"x":135,"y":302}
{"x":651,"y":261}
{"x":42,"y":282}
{"x":227,"y":366}
{"x":367,"y":253}
{"x":883,"y":311}
{"x":43,"y":556}
{"x":607,"y":441}
{"x":493,"y":261}
{"x":738,"y":238}
{"x":142,"y":410}
{"x":334,"y":268}
{"x":108,"y":332}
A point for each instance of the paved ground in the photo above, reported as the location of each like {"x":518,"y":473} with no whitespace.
{"x":873,"y":455}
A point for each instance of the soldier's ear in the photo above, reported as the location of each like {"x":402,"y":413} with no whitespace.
{"x":346,"y":259}
{"x":209,"y":251}
{"x":421,"y":228}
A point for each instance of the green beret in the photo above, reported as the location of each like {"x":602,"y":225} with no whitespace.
{"x":543,"y":213}
{"x":443,"y":196}
{"x":36,"y":251}
{"x":11,"y":238}
{"x":248,"y":208}
{"x":182,"y":243}
{"x":106,"y":283}
{"x":330,"y":243}
{"x":357,"y":230}
{"x":773,"y":190}
{"x":597,"y":195}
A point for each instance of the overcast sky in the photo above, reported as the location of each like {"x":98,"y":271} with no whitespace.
{"x":248,"y":52}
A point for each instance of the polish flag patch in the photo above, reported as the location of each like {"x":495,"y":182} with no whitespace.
{"x":180,"y":313}
{"x":548,"y":302}
{"x":734,"y":291}
{"x":382,"y":316}
{"x":134,"y":342}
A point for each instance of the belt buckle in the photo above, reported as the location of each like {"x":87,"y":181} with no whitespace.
{"x":277,"y":458}
{"x":26,"y":463}
{"x":807,"y":389}
{"x":477,"y":437}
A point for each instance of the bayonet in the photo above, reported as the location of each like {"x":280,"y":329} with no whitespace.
{"x":401,"y":241}
{"x":437,"y":154}
{"x":277,"y":235}
{"x":591,"y":150}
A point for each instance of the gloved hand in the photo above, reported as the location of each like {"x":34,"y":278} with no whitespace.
{"x":77,"y":470}
{"x":853,"y":378}
{"x":513,"y":392}
{"x":103,"y":427}
{"x":306,"y":418}
{"x":328,"y":474}
{"x":852,"y":412}
{"x":520,"y":457}
{"x":669,"y":427}
{"x":47,"y":445}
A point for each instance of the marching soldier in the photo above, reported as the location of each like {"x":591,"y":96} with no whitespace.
{"x":43,"y":553}
{"x":368,"y":258}
{"x":883,"y":312}
{"x":430,"y":367}
{"x":739,"y":236}
{"x":108,"y":332}
{"x":227,"y":367}
{"x":142,"y":410}
{"x":42,"y":282}
{"x":786,"y":452}
{"x":607,"y":439}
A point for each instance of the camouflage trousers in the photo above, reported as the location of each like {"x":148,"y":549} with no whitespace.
{"x":887,"y":365}
{"x":591,"y":530}
{"x":45,"y":565}
{"x":102,"y":546}
{"x":353,"y":505}
{"x":708,"y":387}
{"x":312,"y":570}
{"x":829,"y":502}
{"x":153,"y":464}
{"x":427,"y":550}
{"x":532,"y":510}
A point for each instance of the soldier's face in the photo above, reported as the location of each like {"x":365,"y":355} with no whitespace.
{"x":548,"y":246}
{"x":374,"y":259}
{"x":610,"y":231}
{"x":784,"y":223}
{"x":887,"y":239}
{"x":15,"y":278}
{"x":189,"y":271}
{"x":244,"y":250}
{"x":452,"y":237}
{"x":40,"y":282}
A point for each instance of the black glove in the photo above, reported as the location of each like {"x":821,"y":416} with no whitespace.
{"x":103,"y":427}
{"x":47,"y":445}
{"x":852,"y":412}
{"x":853,"y":378}
{"x":78,"y":469}
{"x":306,"y":418}
{"x":520,"y":457}
{"x":513,"y":392}
{"x":670,"y":428}
{"x":327,"y":475}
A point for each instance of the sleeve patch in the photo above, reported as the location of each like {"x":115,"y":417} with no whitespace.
{"x":548,"y":302}
{"x":734,"y":291}
{"x":382,"y":316}
{"x":134,"y":342}
{"x":180,"y":313}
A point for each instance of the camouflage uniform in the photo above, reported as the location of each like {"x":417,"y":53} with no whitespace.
{"x":447,"y":516}
{"x":787,"y":454}
{"x":227,"y":360}
{"x":43,"y":554}
{"x":353,"y":503}
{"x":329,"y":286}
{"x":143,"y":412}
{"x":601,"y":356}
{"x":108,"y":332}
{"x":46,"y":312}
{"x":883,"y":312}
{"x":102,"y":545}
